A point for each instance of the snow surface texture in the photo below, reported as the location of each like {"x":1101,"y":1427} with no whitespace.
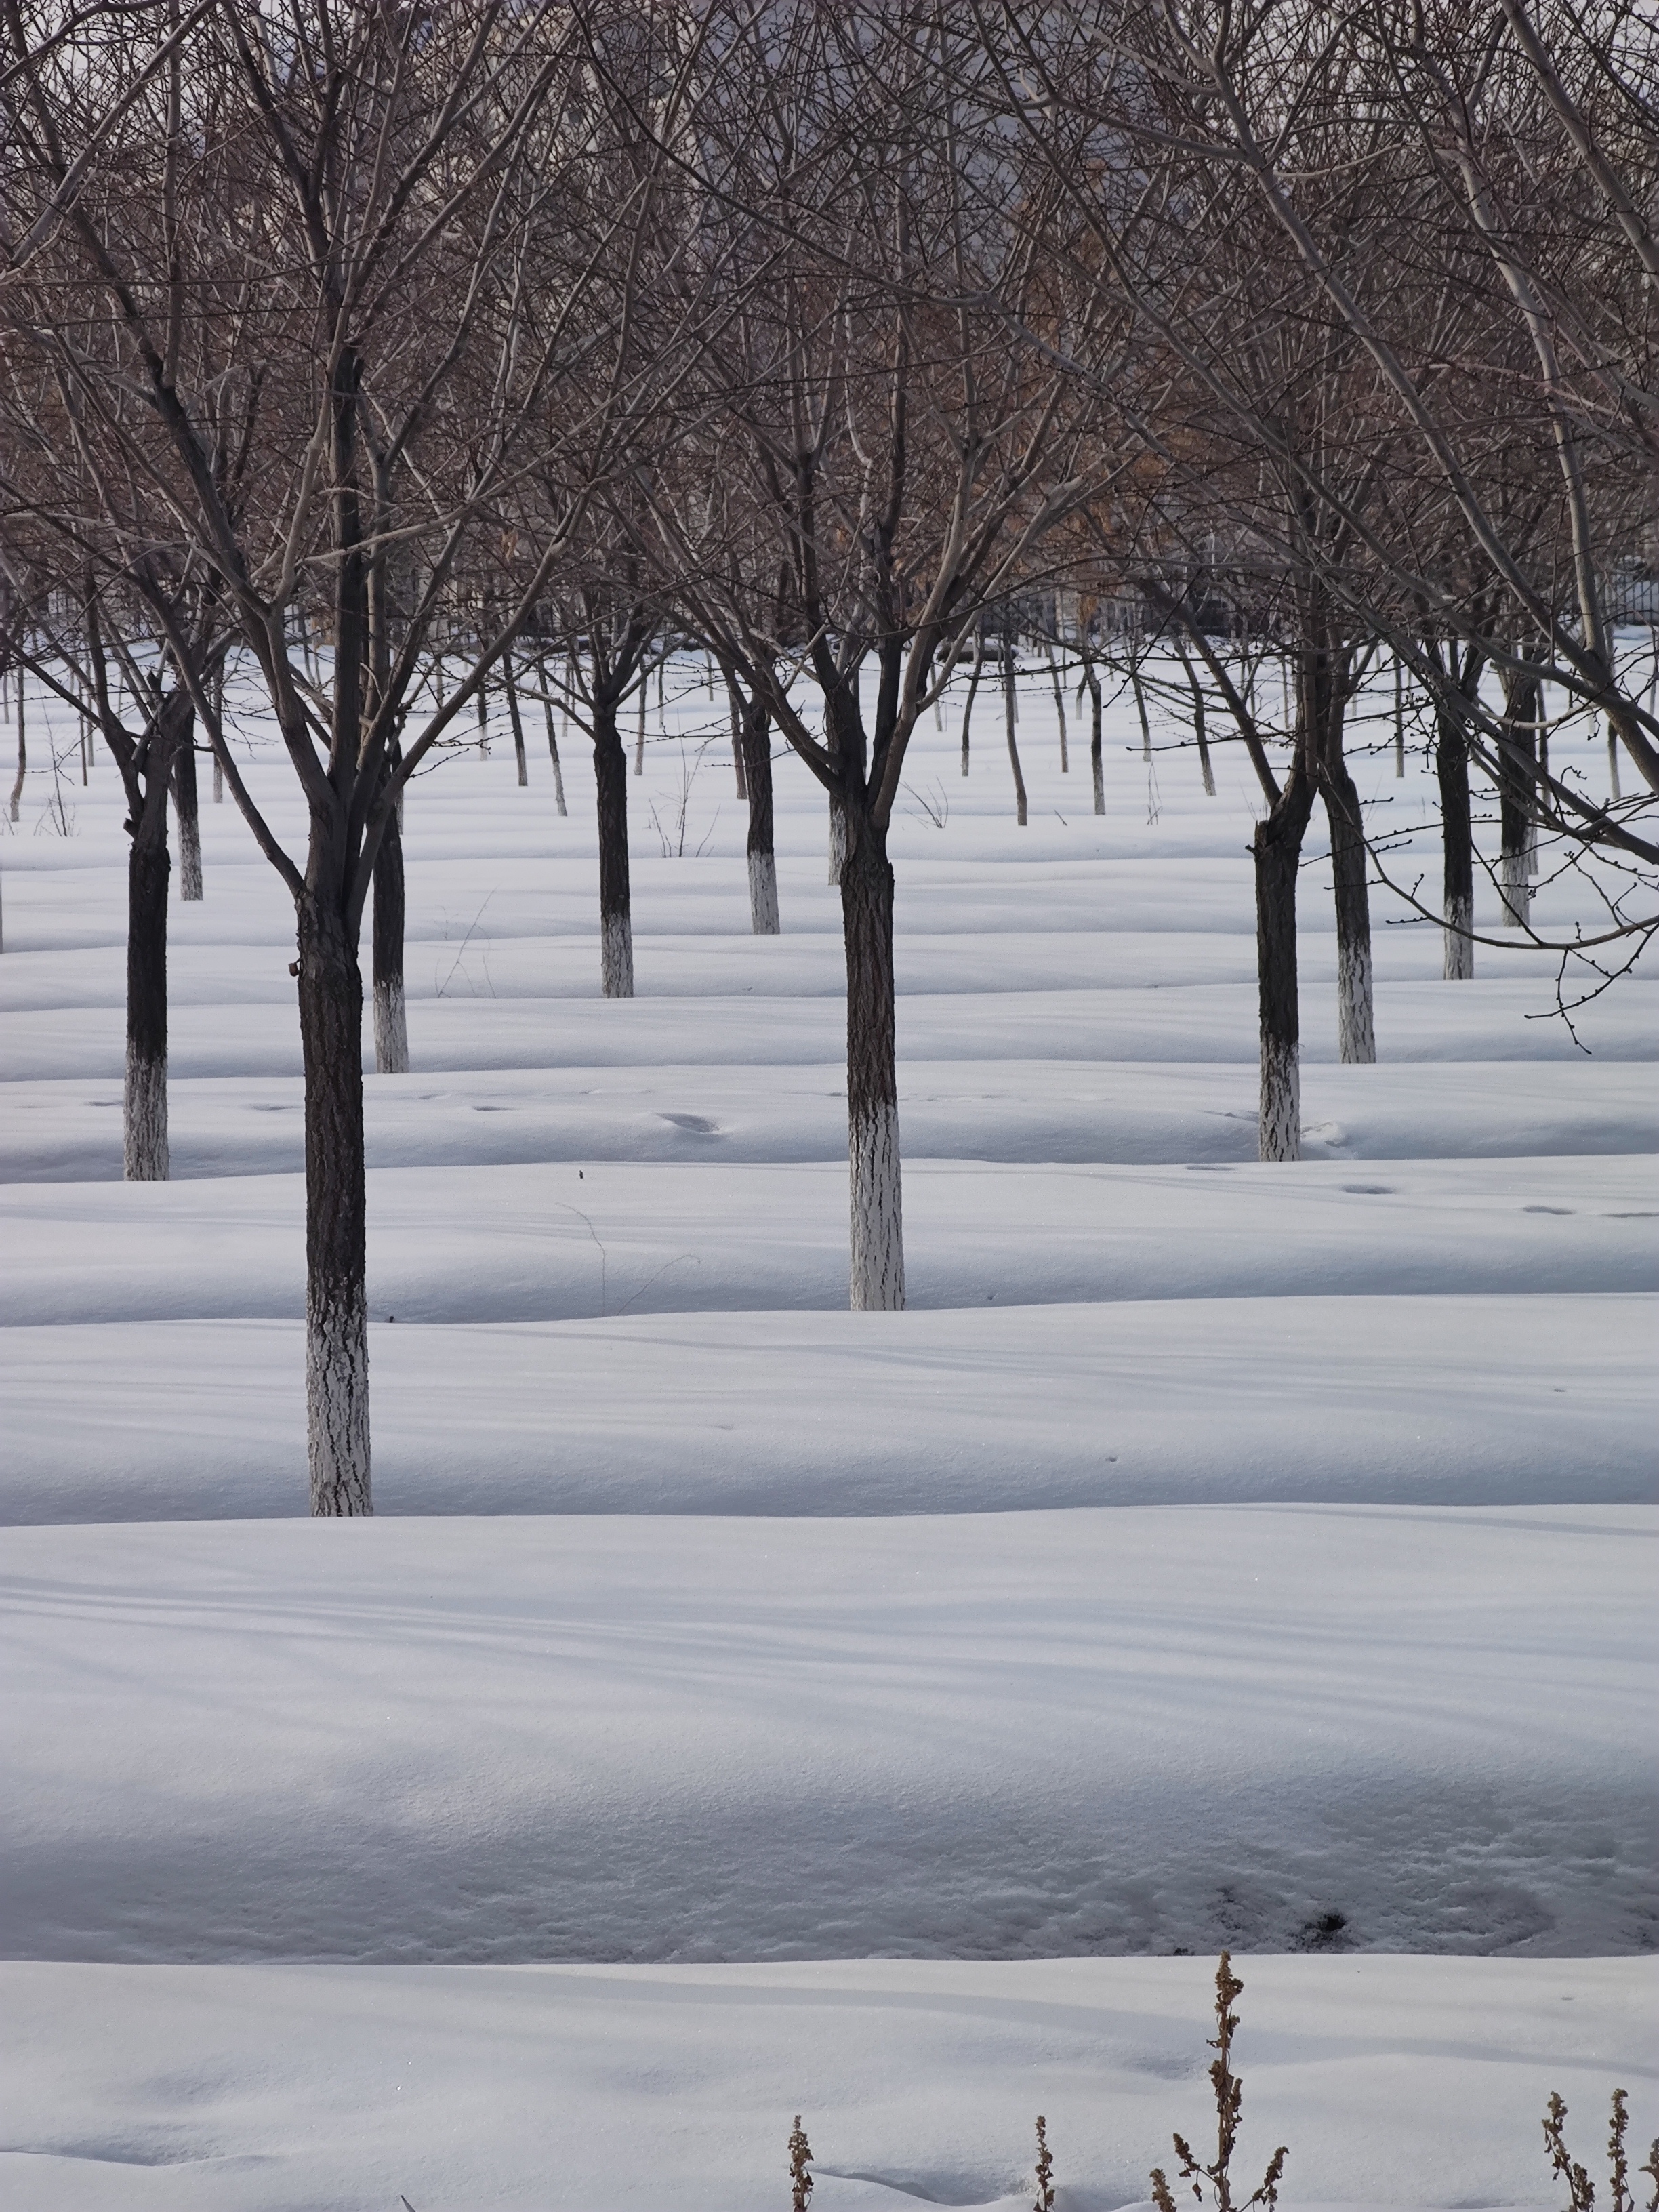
{"x":964,"y":1734}
{"x":1214,"y":1553}
{"x":650,"y":2089}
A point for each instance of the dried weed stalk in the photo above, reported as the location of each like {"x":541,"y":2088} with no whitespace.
{"x":800,"y":2157}
{"x":1045,"y":2170}
{"x":1580,"y":2189}
{"x":1229,"y":2103}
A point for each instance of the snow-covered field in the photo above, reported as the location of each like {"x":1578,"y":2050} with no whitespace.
{"x":742,"y":1706}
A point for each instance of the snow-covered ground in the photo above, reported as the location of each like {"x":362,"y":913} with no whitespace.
{"x":1214,"y":1553}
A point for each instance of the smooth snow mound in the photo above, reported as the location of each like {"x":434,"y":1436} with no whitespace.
{"x":987,"y":1736}
{"x":1401,"y":2081}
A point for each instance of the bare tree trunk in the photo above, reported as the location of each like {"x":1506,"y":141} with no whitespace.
{"x":1356,"y":1027}
{"x":1516,"y":799}
{"x":190,"y":821}
{"x":1097,"y":759}
{"x":219,"y":715}
{"x":1199,"y":731}
{"x":390,"y":1019}
{"x":754,"y":753}
{"x":615,"y":906}
{"x":1452,"y":768}
{"x":552,"y":741}
{"x":1013,"y":746}
{"x":22,"y":750}
{"x":1612,"y":762}
{"x":639,"y":750}
{"x":837,"y":839}
{"x":876,"y":1283}
{"x":736,"y":705}
{"x":1060,"y":710}
{"x":1139,"y":691}
{"x":1399,"y":718}
{"x":973,"y":686}
{"x":337,"y":1297}
{"x":484,"y":725}
{"x":512,"y":684}
{"x":1277,"y":848}
{"x":145,"y":1153}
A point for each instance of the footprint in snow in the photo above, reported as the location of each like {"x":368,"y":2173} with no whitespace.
{"x":693,"y":1124}
{"x":1547,"y":1209}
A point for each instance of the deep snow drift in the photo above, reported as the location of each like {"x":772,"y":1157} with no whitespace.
{"x":1215,"y":1553}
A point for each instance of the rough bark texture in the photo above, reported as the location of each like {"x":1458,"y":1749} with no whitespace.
{"x":145,"y":1104}
{"x":1452,"y":768}
{"x":837,"y":840}
{"x":615,"y":907}
{"x":185,"y":806}
{"x":1277,"y":848}
{"x":1355,"y":1015}
{"x":391,"y":1025}
{"x":764,"y":895}
{"x":755,"y":754}
{"x":145,"y":1112}
{"x":337,"y":1303}
{"x":877,"y":1282}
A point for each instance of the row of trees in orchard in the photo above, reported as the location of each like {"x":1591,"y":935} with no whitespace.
{"x":386,"y":353}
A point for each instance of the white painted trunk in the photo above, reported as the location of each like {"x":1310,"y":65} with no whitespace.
{"x":1280,"y":1131}
{"x":337,"y":1404}
{"x":190,"y":859}
{"x":1356,"y":1027}
{"x":615,"y":956}
{"x":144,"y":1120}
{"x":391,"y":1031}
{"x":1612,"y":768}
{"x":1460,"y":947}
{"x":1512,"y":889}
{"x":877,"y":1271}
{"x":837,"y":840}
{"x":218,"y":782}
{"x":764,"y":895}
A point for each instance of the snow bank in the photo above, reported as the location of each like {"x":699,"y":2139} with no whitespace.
{"x":268,"y":2088}
{"x":1432,"y":1401}
{"x":993,"y":1735}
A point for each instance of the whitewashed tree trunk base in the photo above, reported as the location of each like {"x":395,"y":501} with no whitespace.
{"x":1514,"y":889}
{"x":144,"y":1120}
{"x":1280,"y":1131}
{"x":1356,"y":1019}
{"x":337,"y":1401}
{"x":837,"y":841}
{"x":190,"y":860}
{"x":764,"y":895}
{"x":1460,"y":947}
{"x":615,"y":956}
{"x":876,"y":1283}
{"x":391,"y":1031}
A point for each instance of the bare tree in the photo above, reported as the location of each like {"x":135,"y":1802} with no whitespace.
{"x":310,"y":239}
